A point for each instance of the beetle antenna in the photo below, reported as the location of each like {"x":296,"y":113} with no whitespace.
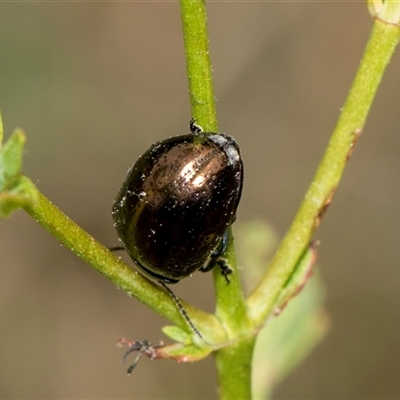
{"x":181,"y":309}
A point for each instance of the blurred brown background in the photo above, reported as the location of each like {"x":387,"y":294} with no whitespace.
{"x":94,"y":85}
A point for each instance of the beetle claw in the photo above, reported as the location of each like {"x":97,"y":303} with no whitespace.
{"x":226,"y":270}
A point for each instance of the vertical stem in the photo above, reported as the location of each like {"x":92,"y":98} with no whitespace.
{"x":198,"y":63}
{"x":233,"y":362}
{"x":234,"y":370}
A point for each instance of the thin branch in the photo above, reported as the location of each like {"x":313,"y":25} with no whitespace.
{"x":381,"y":45}
{"x":117,"y":271}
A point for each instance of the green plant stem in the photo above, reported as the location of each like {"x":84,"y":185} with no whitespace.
{"x":234,"y":369}
{"x":381,"y":45}
{"x":234,"y":362}
{"x":198,"y":63}
{"x":117,"y":271}
{"x":230,"y":303}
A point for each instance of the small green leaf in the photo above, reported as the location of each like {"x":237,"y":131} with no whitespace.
{"x":177,"y":334}
{"x":11,"y":159}
{"x":16,"y":191}
{"x":289,"y":338}
{"x":301,"y":274}
{"x":190,"y":353}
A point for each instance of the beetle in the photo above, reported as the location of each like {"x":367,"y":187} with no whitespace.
{"x":177,"y":202}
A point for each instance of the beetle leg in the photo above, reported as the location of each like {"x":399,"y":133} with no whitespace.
{"x":218,"y":252}
{"x":216,"y":258}
{"x":226,"y":270}
{"x":209,"y":265}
